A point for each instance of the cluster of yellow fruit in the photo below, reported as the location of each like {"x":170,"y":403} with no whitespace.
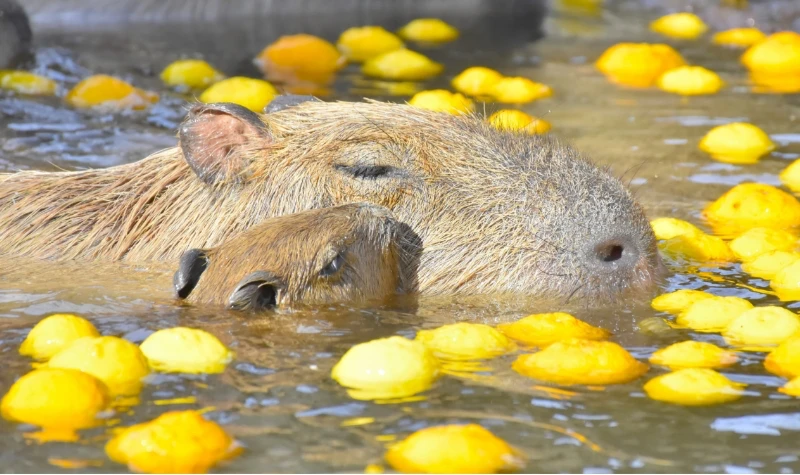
{"x":80,"y":377}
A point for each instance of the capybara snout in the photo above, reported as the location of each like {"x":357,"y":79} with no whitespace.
{"x":354,"y":252}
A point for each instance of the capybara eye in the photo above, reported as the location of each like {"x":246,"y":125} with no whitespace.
{"x":369,"y":172}
{"x":333,"y":266}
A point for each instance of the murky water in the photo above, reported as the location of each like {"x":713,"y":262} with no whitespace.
{"x":277,"y":397}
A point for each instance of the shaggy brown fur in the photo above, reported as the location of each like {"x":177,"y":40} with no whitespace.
{"x":345,"y":253}
{"x":495,"y":211}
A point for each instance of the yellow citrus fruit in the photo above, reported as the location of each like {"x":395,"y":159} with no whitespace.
{"x":792,"y":388}
{"x":512,"y":119}
{"x":402,"y":65}
{"x":739,"y":37}
{"x":693,"y":387}
{"x":785,"y":359}
{"x":56,"y":398}
{"x":428,"y":30}
{"x":775,"y":83}
{"x":107,"y":91}
{"x":778,"y":55}
{"x":175,"y":442}
{"x":476,"y":81}
{"x":118,"y":363}
{"x":453,"y":449}
{"x":519,"y":90}
{"x":738,"y":142}
{"x":23,"y":82}
{"x":543,"y":329}
{"x":700,"y":247}
{"x":757,"y":241}
{"x":762,"y":326}
{"x":638,"y":64}
{"x":54,"y":333}
{"x":750,"y":205}
{"x":686,"y":26}
{"x":668,"y":228}
{"x":441,"y":100}
{"x":190,"y":73}
{"x":786,"y":282}
{"x":678,"y":301}
{"x":790,"y":176}
{"x":362,"y":43}
{"x":712,"y":314}
{"x":579,"y":361}
{"x":387,"y":368}
{"x":185,"y":350}
{"x":465,"y":341}
{"x":302,"y":55}
{"x":254,"y":94}
{"x":693,"y":354}
{"x":690,"y":81}
{"x":767,"y":265}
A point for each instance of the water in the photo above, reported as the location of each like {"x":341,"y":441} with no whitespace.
{"x":277,"y":397}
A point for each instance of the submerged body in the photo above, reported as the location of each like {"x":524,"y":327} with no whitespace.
{"x":495,"y":211}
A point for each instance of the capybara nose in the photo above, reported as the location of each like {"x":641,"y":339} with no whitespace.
{"x":616,"y":254}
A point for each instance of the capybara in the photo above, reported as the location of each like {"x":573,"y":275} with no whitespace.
{"x":495,"y":211}
{"x":354,"y":252}
{"x":15,"y":35}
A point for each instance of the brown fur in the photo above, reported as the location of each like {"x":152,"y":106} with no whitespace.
{"x":494,"y":211}
{"x":296,"y":251}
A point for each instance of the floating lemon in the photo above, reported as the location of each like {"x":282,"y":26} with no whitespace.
{"x":790,"y":176}
{"x":767,"y":265}
{"x":757,"y":241}
{"x":736,"y":143}
{"x":739,"y":37}
{"x":693,"y":387}
{"x":191,"y":74}
{"x":185,"y":350}
{"x":107,"y":91}
{"x":543,"y":329}
{"x":775,"y":83}
{"x":428,"y":30}
{"x":465,"y":341}
{"x":638,"y":64}
{"x":679,"y":300}
{"x":693,"y":354}
{"x":254,"y":94}
{"x":785,"y":359}
{"x":762,"y":326}
{"x":778,"y":55}
{"x":687,"y":26}
{"x":402,"y":65}
{"x":476,"y":81}
{"x":453,"y":449}
{"x":175,"y":442}
{"x":579,"y":361}
{"x":786,"y":282}
{"x":792,"y":388}
{"x":511,"y":119}
{"x":750,"y":205}
{"x":23,"y":82}
{"x":712,"y":314}
{"x":300,"y":57}
{"x":362,"y":43}
{"x":116,"y":362}
{"x":441,"y":100}
{"x":56,"y":398}
{"x":54,"y":333}
{"x":690,"y":81}
{"x":519,"y":90}
{"x":386,"y":368}
{"x":700,"y":247}
{"x":668,"y":228}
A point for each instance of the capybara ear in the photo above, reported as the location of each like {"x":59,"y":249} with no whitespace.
{"x":191,"y":267}
{"x":257,"y":291}
{"x":215,"y":139}
{"x":286,"y":101}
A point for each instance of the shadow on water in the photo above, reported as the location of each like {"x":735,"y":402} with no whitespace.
{"x":277,"y":396}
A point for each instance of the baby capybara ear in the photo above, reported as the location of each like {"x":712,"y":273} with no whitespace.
{"x":216,"y":140}
{"x":191,"y":267}
{"x":257,"y":291}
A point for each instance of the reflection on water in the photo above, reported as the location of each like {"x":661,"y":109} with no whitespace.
{"x":278,"y":398}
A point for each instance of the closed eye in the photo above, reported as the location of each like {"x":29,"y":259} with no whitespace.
{"x":369,"y":172}
{"x":333,"y":267}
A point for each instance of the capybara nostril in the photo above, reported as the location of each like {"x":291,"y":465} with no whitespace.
{"x":616,"y":253}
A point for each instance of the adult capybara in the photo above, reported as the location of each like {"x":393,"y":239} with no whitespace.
{"x":352,"y":252}
{"x":495,"y":211}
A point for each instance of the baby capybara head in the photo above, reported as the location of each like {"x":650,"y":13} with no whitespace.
{"x":495,"y":211}
{"x":347,"y":253}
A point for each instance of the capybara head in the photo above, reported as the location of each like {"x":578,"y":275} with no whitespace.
{"x":496,"y":211}
{"x":354,"y":252}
